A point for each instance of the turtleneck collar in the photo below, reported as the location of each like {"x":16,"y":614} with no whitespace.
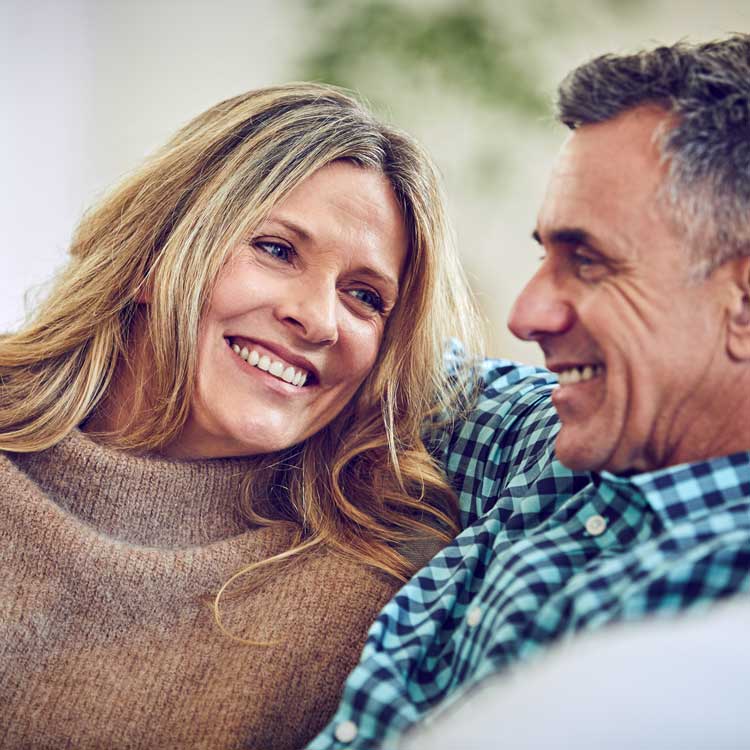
{"x":143,"y":500}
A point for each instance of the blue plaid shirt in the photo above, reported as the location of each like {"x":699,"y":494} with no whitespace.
{"x":544,"y":553}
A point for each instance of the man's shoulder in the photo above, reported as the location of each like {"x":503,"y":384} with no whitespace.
{"x":500,"y":374}
{"x":512,"y":408}
{"x":506,"y":437}
{"x":498,"y":389}
{"x":509,"y":390}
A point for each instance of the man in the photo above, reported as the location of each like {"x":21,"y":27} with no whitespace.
{"x":642,"y":307}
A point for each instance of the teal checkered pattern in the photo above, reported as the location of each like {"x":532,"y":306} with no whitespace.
{"x":525,"y":572}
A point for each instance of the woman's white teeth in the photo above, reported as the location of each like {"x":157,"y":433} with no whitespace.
{"x":579,"y":374}
{"x":278,"y":369}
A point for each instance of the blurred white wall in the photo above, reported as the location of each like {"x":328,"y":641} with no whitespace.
{"x":89,"y":88}
{"x":46,"y":137}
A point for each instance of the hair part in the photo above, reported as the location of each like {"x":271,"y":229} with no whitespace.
{"x":706,"y":145}
{"x":365,"y":483}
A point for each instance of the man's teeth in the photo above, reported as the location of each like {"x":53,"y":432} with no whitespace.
{"x":579,"y":374}
{"x":273,"y":367}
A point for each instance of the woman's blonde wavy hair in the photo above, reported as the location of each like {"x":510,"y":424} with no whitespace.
{"x":365,"y":484}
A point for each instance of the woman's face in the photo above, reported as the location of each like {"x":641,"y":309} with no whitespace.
{"x":297,"y":316}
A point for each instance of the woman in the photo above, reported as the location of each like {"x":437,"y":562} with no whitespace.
{"x":226,"y":391}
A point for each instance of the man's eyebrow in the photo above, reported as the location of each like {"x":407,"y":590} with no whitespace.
{"x":566,"y":236}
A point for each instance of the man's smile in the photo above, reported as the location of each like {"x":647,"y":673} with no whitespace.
{"x":580,"y":373}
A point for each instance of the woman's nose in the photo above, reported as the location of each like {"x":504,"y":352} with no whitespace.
{"x":540,"y":310}
{"x":311,"y":310}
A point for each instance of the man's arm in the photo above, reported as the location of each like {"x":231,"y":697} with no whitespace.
{"x":500,"y":459}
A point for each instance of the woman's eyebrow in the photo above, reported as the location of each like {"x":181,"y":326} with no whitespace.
{"x":380,"y":277}
{"x":291,"y":226}
{"x":375,"y":273}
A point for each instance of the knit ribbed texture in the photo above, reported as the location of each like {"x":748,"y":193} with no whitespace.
{"x":106,"y":639}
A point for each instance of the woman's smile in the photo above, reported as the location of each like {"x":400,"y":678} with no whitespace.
{"x":260,"y":358}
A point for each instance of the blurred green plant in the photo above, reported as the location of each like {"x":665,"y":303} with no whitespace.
{"x":470,"y":63}
{"x":461,"y":45}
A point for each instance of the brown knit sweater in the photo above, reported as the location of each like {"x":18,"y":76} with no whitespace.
{"x":105,"y":638}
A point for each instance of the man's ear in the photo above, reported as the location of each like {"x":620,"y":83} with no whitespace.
{"x":738,"y":323}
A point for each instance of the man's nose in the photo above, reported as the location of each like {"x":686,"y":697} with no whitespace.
{"x":540,"y":310}
{"x":311,"y":309}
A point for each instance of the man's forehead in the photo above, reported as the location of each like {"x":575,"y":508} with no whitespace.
{"x":628,"y":143}
{"x":606,"y":170}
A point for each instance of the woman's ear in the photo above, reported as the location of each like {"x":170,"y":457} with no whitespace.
{"x":738,"y":341}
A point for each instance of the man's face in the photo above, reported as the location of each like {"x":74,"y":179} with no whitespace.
{"x":637,"y":342}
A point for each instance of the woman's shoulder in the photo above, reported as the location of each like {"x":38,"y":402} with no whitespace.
{"x":11,"y":474}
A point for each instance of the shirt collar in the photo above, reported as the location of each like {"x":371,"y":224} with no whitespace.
{"x":686,"y":491}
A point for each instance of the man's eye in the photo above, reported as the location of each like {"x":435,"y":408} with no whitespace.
{"x":588,"y":267}
{"x":369,"y":298}
{"x":275,"y":249}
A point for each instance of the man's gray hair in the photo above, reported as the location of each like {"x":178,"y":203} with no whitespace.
{"x":707,"y":149}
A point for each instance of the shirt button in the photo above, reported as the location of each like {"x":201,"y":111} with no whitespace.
{"x":346,"y":731}
{"x":473,"y":617}
{"x":596,"y":525}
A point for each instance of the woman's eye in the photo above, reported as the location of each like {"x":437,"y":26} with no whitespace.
{"x":275,"y":249}
{"x":369,"y":298}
